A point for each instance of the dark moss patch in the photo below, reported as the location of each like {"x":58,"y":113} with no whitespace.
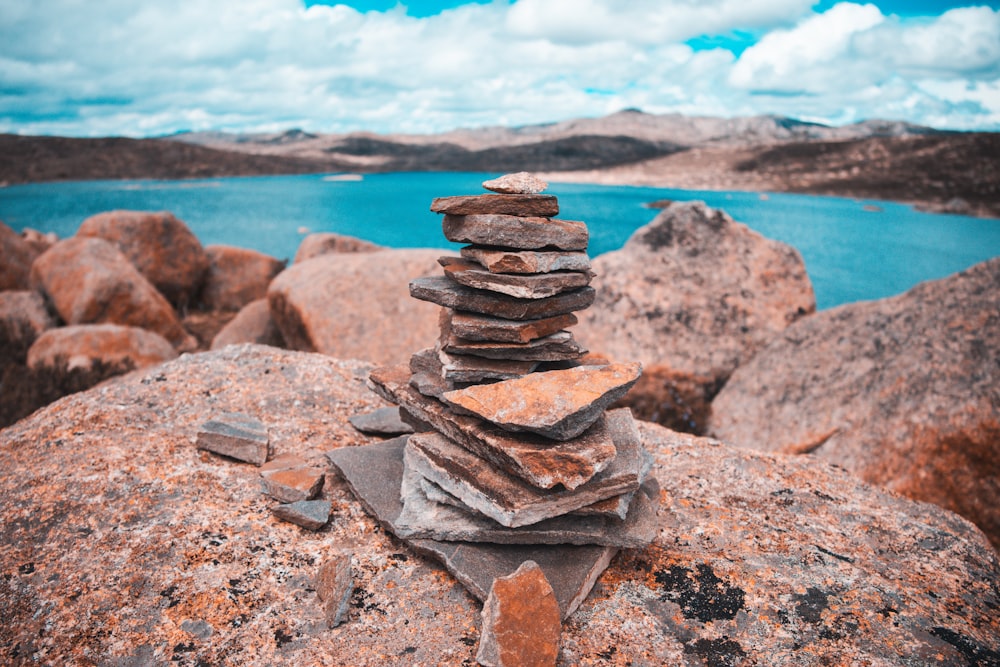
{"x":810,"y":606}
{"x":722,"y":652}
{"x":702,"y":595}
{"x":971,"y":650}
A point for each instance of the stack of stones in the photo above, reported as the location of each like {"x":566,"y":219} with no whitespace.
{"x":515,"y":442}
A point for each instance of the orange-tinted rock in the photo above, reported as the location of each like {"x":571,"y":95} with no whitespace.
{"x":325,"y":243}
{"x":253,"y":324}
{"x":84,"y":345}
{"x":291,"y":483}
{"x":445,"y":292}
{"x":514,"y":231}
{"x":39,"y":241}
{"x":162,"y":247}
{"x":694,"y":292}
{"x":499,"y":260}
{"x":16,"y":257}
{"x":901,"y":391}
{"x":521,"y":625}
{"x":523,"y":286}
{"x":500,"y":204}
{"x":310,"y":514}
{"x":356,"y":305}
{"x":472,"y":326}
{"x":236,"y":277}
{"x":89,"y":281}
{"x":520,"y":183}
{"x":559,"y":404}
{"x":677,"y":400}
{"x":334,"y":586}
{"x":384,"y":421}
{"x":560,"y":346}
{"x":23,"y":318}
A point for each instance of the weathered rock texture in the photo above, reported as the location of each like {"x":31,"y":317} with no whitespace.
{"x":89,"y":281}
{"x":23,"y":318}
{"x":87,"y":345}
{"x":356,"y":306}
{"x":159,"y":245}
{"x":325,"y":243}
{"x":520,"y":621}
{"x":693,"y":293}
{"x":253,"y":324}
{"x":237,"y":276}
{"x":123,"y":544}
{"x":905,"y":392}
{"x":16,"y":257}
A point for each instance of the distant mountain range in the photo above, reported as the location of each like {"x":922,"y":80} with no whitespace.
{"x":880,"y":159}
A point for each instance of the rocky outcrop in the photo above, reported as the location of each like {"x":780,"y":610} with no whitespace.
{"x":39,"y":241}
{"x":356,"y":306}
{"x":160,"y":246}
{"x":85,"y":345}
{"x":125,"y":544}
{"x":324,"y":243}
{"x":253,"y":324}
{"x":901,"y":391}
{"x":16,"y":257}
{"x":89,"y":281}
{"x":236,"y":276}
{"x":695,"y":294}
{"x":23,"y":318}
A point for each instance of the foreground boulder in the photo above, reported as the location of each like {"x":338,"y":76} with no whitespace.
{"x":325,"y":243}
{"x":112,"y":345}
{"x":23,"y":318}
{"x":89,"y":281}
{"x":16,"y":256}
{"x":122,"y":554}
{"x":901,"y":391}
{"x":357,"y":306}
{"x":695,"y":294}
{"x":237,"y":276}
{"x":162,"y":247}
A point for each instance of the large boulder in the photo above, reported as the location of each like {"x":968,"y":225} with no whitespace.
{"x":357,"y":306}
{"x":125,"y":544}
{"x":23,"y":318}
{"x":89,"y":281}
{"x":253,"y":324}
{"x":16,"y":256}
{"x":904,"y":392}
{"x":159,"y":245}
{"x":86,"y":345}
{"x":237,"y":276}
{"x":324,"y":243}
{"x":693,"y":294}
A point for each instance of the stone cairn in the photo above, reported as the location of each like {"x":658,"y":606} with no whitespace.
{"x":516,"y":456}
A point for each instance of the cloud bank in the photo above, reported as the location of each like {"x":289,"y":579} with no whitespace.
{"x":119,"y":67}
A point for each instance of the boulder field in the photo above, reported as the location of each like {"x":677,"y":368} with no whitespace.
{"x":125,"y":544}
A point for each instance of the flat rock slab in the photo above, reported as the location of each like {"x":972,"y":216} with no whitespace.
{"x":384,"y":421}
{"x":459,"y":368}
{"x":560,"y":346}
{"x":521,"y":625}
{"x":516,"y":232}
{"x":237,"y":436}
{"x":472,"y":326}
{"x":374,"y":472}
{"x":520,"y":183}
{"x":293,"y":484}
{"x":522,"y":285}
{"x":334,"y":586}
{"x":539,"y":461}
{"x":511,"y":501}
{"x":503,"y":204}
{"x":559,"y":404}
{"x":446,"y":292}
{"x":424,"y":518}
{"x":310,"y":514}
{"x":500,"y":260}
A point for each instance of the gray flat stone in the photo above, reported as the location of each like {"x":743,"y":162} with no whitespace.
{"x":446,"y":292}
{"x":504,"y":204}
{"x":539,"y":461}
{"x":310,"y":514}
{"x":560,"y":346}
{"x":521,"y":285}
{"x":516,"y":232}
{"x":424,"y":518}
{"x":237,"y":436}
{"x":520,"y":183}
{"x":472,"y":326}
{"x":511,"y":501}
{"x":384,"y":421}
{"x":500,"y":260}
{"x":374,"y":474}
{"x":334,"y":586}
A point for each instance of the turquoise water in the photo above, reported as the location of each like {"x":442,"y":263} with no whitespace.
{"x":851,"y":253}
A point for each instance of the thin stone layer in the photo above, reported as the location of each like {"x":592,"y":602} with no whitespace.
{"x":560,"y":346}
{"x":501,"y":260}
{"x":501,"y":204}
{"x":539,"y":461}
{"x":516,"y":232}
{"x":522,"y":285}
{"x":445,"y":292}
{"x":472,"y":326}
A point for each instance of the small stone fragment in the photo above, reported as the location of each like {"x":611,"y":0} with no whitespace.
{"x":384,"y":421}
{"x":293,"y":484}
{"x":519,"y":233}
{"x":237,"y":436}
{"x":559,"y":404}
{"x":499,"y":260}
{"x":521,"y":285}
{"x":520,"y":183}
{"x":521,"y":625}
{"x":334,"y":586}
{"x":310,"y":514}
{"x":472,"y":326}
{"x":502,"y":204}
{"x":445,"y":292}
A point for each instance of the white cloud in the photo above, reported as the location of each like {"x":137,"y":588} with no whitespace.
{"x":121,"y":67}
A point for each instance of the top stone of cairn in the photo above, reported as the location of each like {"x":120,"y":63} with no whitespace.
{"x":521,"y":183}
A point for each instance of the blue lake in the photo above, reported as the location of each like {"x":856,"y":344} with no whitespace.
{"x":851,"y":253}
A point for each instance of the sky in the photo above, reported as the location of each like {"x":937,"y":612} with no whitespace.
{"x":150,"y":68}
